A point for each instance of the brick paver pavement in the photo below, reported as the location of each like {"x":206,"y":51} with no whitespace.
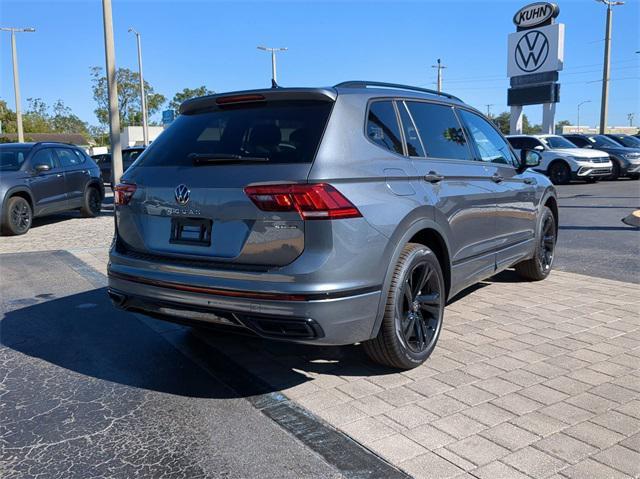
{"x":528,"y":379}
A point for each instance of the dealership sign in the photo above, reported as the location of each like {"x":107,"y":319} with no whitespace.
{"x":536,"y":50}
{"x":535,"y":14}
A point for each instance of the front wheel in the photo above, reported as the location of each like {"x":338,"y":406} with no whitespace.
{"x":413,"y":314}
{"x":615,"y":170}
{"x":560,"y":173}
{"x":539,"y":267}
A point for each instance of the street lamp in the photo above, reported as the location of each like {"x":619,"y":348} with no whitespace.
{"x":607,"y":64}
{"x":143,"y":96}
{"x":274,"y":80}
{"x":579,"y":105}
{"x":16,"y":78}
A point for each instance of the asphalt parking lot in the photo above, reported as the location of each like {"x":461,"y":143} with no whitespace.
{"x":532,"y":380}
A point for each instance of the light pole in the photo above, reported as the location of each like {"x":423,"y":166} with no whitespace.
{"x":440,"y":67}
{"x":579,"y":105}
{"x":143,"y":96}
{"x":607,"y":64}
{"x":112,"y":88}
{"x":489,"y":105}
{"x":274,"y":79}
{"x":16,"y":78}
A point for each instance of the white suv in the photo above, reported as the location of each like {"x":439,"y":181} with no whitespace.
{"x":563,"y":161}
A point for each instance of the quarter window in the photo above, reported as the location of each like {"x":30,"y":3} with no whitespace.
{"x":382,"y":126}
{"x":441,"y":133}
{"x":492,"y":147}
{"x":81,"y":157}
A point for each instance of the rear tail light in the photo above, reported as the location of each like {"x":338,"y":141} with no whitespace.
{"x":123,"y":192}
{"x":319,"y":201}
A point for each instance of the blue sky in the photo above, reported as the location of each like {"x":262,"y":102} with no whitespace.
{"x":186,"y":44}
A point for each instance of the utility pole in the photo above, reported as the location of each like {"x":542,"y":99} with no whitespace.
{"x":16,"y":77}
{"x":579,"y":105}
{"x":630,"y":117}
{"x":143,"y":95}
{"x":112,"y":87}
{"x":489,"y":105}
{"x":607,"y":64}
{"x":274,"y":79}
{"x":440,"y":67}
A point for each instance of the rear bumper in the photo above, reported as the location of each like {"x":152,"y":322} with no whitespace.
{"x":326,"y":318}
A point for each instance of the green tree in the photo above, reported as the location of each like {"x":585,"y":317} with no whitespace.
{"x":561,"y":124}
{"x":502,"y":122}
{"x":128,"y":96}
{"x":7,"y":118}
{"x":188,"y":93}
{"x":36,"y":118}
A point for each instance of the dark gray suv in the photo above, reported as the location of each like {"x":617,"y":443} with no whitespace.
{"x":38,"y":179}
{"x":327,"y":215}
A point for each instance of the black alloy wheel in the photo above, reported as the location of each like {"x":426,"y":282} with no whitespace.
{"x":560,"y":173}
{"x":547,"y":243}
{"x":418,"y":315}
{"x":18,"y":216}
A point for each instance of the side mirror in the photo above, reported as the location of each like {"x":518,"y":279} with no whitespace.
{"x":41,"y":168}
{"x":529,"y":159}
{"x":538,"y":148}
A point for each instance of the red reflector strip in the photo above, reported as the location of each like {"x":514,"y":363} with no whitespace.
{"x":206,"y":290}
{"x":239,"y":99}
{"x":312,"y":201}
{"x":123,"y":192}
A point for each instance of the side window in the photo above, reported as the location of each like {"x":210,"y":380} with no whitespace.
{"x":491,"y":146}
{"x":414,"y":145}
{"x":382,"y":126}
{"x":441,"y":133}
{"x":531,"y":143}
{"x":578,"y":141}
{"x":67,"y":157}
{"x":517,"y":143}
{"x":44,"y":157}
{"x":81,"y":157}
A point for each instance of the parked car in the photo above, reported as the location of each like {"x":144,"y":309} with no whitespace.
{"x":628,"y":141}
{"x":327,"y":216}
{"x":562,"y":161}
{"x":625,"y":161}
{"x":129,"y":155}
{"x":38,"y":179}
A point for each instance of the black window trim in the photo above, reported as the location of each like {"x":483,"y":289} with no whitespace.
{"x":56,"y":160}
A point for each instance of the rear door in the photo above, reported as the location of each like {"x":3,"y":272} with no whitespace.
{"x":515,"y":217}
{"x":460,"y":187}
{"x":48,"y":188}
{"x":190,"y":199}
{"x":76,"y":175}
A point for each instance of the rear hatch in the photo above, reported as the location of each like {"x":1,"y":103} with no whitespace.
{"x":189,"y":200}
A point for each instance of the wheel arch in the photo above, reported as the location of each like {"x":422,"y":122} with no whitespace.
{"x":556,"y":161}
{"x":18,"y":191}
{"x":423,"y":231}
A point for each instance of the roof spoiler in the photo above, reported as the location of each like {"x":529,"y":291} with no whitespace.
{"x":254,"y":96}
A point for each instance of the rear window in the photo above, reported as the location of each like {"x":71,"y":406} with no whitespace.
{"x":12,"y":158}
{"x":279,"y":132}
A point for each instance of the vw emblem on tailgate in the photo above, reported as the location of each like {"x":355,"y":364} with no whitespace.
{"x":182,"y":194}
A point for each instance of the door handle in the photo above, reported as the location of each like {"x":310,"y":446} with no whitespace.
{"x":59,"y":175}
{"x":433,"y":177}
{"x":530,"y":181}
{"x":496,"y":178}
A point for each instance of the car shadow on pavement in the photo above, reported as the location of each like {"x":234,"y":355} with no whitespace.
{"x":57,"y":218}
{"x":85,"y":334}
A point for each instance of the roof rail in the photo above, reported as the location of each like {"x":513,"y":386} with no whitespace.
{"x":364,"y":84}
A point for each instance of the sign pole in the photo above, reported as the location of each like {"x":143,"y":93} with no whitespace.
{"x":548,"y":117}
{"x":516,"y":120}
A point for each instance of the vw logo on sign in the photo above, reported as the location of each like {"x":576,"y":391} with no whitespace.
{"x":532,"y":51}
{"x":182,"y":194}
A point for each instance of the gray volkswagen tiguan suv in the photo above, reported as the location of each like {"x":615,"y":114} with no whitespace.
{"x":327,"y":216}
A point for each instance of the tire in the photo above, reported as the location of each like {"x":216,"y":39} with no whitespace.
{"x":414,"y":311}
{"x":91,"y":203}
{"x":591,"y":180}
{"x":615,"y":170}
{"x":539,"y":267}
{"x":17,"y":216}
{"x":560,"y":173}
{"x":634,"y":176}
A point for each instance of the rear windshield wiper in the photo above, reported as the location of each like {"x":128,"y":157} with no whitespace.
{"x":212,"y":158}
